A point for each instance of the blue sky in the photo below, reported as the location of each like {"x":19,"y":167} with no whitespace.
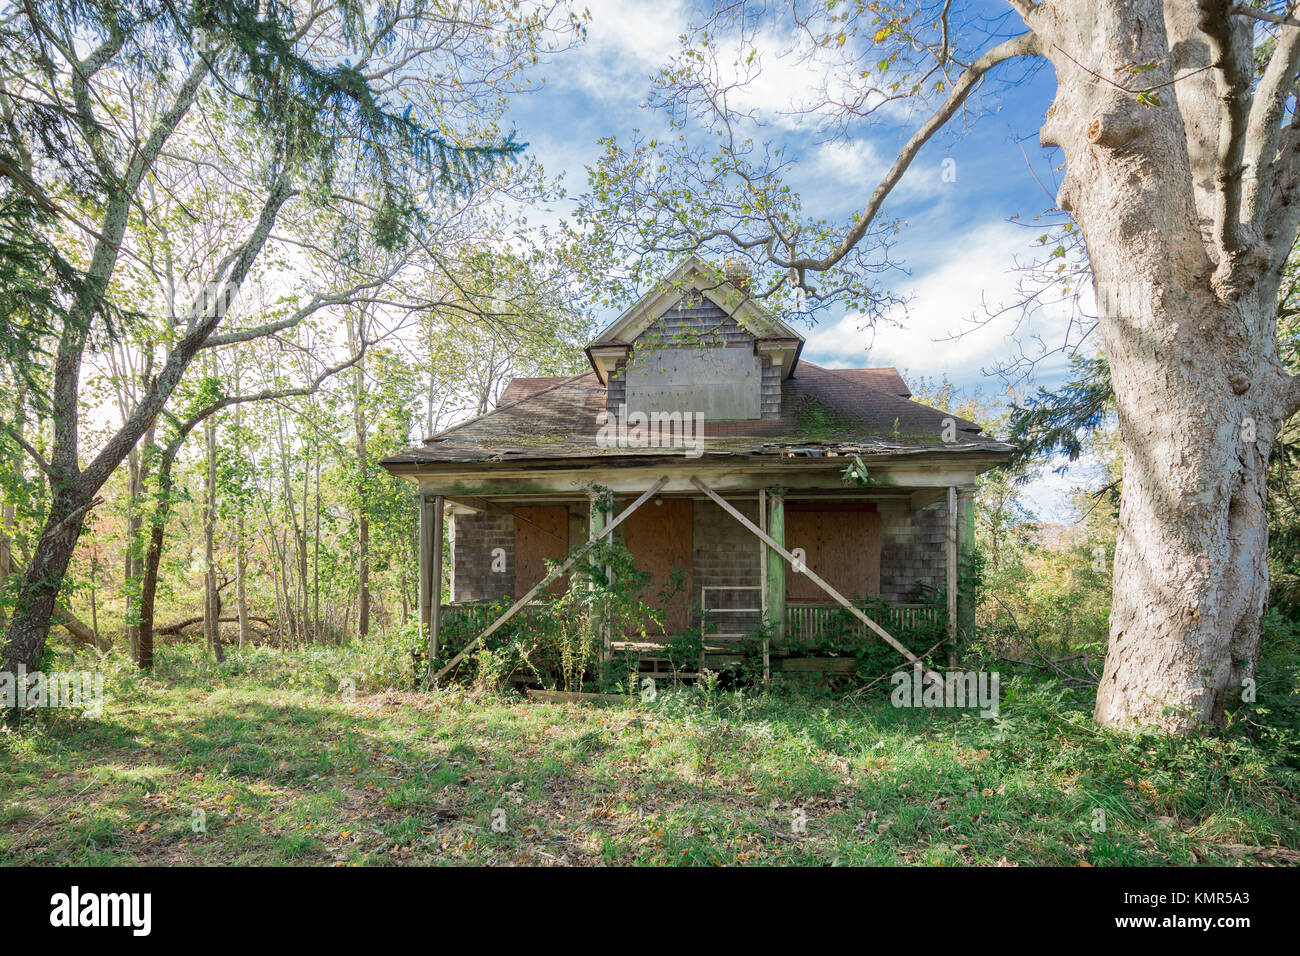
{"x":960,"y":245}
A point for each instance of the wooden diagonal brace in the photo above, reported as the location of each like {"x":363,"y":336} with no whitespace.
{"x":555,"y":573}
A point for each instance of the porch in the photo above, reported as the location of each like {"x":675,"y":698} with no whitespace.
{"x":888,"y":556}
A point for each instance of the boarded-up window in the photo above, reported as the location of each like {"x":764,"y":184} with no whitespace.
{"x":541,"y":535}
{"x":842,"y":545}
{"x":660,"y":537}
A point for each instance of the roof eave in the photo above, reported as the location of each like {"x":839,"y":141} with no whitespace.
{"x":997,"y":453}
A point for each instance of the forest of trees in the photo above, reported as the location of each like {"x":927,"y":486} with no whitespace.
{"x":248,"y":250}
{"x":236,"y":275}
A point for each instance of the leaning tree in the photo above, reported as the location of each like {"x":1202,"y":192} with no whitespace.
{"x":1182,"y":172}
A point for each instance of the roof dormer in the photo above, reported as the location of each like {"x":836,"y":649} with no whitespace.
{"x":697,"y":277}
{"x":699,"y":343}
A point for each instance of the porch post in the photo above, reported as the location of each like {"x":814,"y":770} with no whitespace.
{"x":601,"y":505}
{"x":435,"y":586}
{"x":552,"y":575}
{"x":950,"y":562}
{"x":762,"y":551}
{"x":775,"y":563}
{"x":431,"y":510}
{"x":813,"y":576}
{"x":426,"y":559}
{"x":965,"y":548}
{"x":762,"y":579}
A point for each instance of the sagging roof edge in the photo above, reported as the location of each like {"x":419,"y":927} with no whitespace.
{"x":992,"y":454}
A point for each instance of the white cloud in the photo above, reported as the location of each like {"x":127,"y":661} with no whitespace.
{"x":973,"y":270}
{"x":851,"y":160}
{"x":795,"y":85}
{"x":627,"y":41}
{"x":852,"y":168}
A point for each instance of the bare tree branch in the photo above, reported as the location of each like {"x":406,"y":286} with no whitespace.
{"x":1026,"y":44}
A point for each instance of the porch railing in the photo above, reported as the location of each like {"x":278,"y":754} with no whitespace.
{"x":731,"y":622}
{"x":806,"y":621}
{"x":481,"y":615}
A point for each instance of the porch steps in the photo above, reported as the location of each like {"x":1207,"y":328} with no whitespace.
{"x":653,"y":662}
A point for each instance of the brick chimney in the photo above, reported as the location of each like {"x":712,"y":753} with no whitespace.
{"x":738,"y":275}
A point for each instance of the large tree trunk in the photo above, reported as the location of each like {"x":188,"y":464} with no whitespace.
{"x":131,"y":558}
{"x":1198,"y":395}
{"x":304,"y":588}
{"x":1191,"y":571}
{"x":149,"y":584}
{"x":241,"y":575}
{"x":8,"y":517}
{"x":6,"y":550}
{"x":315,"y":557}
{"x":81,"y":632}
{"x":153,"y":551}
{"x":40,"y":585}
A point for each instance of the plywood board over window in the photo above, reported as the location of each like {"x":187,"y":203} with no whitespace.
{"x":541,"y":535}
{"x":842,"y":545}
{"x":660,"y":537}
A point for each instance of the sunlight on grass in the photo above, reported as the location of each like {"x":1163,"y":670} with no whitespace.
{"x":212,"y":767}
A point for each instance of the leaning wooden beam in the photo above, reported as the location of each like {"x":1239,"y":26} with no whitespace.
{"x":807,"y":571}
{"x":556,"y":572}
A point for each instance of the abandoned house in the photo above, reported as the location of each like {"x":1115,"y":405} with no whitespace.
{"x":774,"y":488}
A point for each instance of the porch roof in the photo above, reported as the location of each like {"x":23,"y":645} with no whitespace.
{"x":823,"y":412}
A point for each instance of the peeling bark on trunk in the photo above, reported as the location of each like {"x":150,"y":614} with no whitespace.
{"x":1191,"y":573}
{"x":1192,"y":355}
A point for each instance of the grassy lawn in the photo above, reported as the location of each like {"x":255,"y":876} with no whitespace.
{"x":263,"y":761}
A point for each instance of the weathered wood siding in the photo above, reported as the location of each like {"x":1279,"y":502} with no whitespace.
{"x":691,"y":327}
{"x":473,"y":538}
{"x":659,"y":537}
{"x":727,"y":555}
{"x":541,"y":535}
{"x":841,"y":543}
{"x":911,"y":551}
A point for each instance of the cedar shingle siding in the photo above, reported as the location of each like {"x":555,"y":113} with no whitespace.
{"x":473,"y":538}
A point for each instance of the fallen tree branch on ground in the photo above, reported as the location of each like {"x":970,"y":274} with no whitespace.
{"x":177,"y":626}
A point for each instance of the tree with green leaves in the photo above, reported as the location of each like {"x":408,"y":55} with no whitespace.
{"x":333,"y":105}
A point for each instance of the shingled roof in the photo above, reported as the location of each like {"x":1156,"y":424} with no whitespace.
{"x":518,"y":388}
{"x":823,"y":411}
